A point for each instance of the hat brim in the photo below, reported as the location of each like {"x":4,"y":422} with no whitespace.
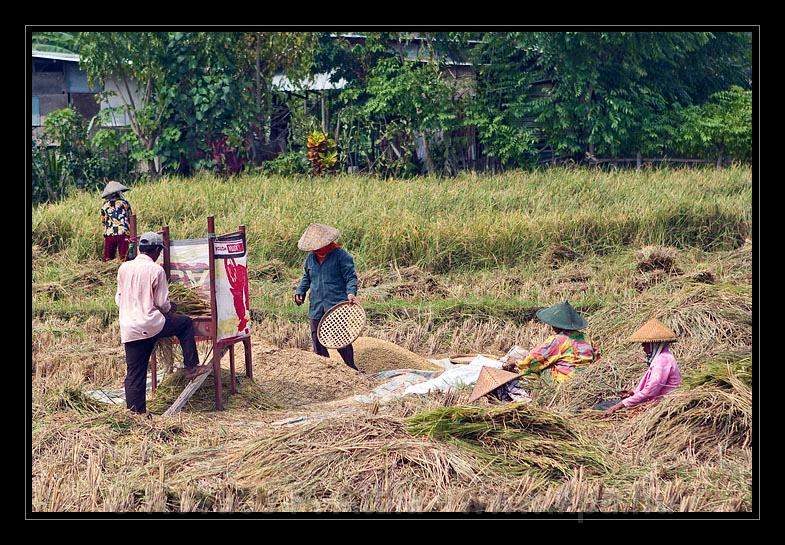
{"x":480,"y":391}
{"x":310,"y":241}
{"x":581,"y":323}
{"x":112,"y":189}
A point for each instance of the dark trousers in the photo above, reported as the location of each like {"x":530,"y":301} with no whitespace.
{"x":118,"y":243}
{"x":347,"y":352}
{"x":137,"y":357}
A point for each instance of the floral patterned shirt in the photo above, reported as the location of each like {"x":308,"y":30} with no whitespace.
{"x":559,"y":356}
{"x":115,"y":215}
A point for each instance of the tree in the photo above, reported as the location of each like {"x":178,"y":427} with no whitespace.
{"x":135,"y":61}
{"x":596,"y":93}
{"x":720,"y":128}
{"x":200,"y":91}
{"x":55,"y":42}
{"x":506,"y":86}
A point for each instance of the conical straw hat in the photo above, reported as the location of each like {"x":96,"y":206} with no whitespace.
{"x":563,"y":316}
{"x":113,"y":187}
{"x":317,"y":236}
{"x":653,"y":331}
{"x":490,"y":378}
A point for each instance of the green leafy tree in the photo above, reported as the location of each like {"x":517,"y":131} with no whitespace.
{"x":721,"y":128}
{"x":134,"y":61}
{"x":55,"y":42}
{"x":595,"y":93}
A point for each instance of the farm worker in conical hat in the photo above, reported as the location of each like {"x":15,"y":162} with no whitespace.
{"x":662,"y":376}
{"x":329,"y":273}
{"x":115,"y":216}
{"x":146,"y":315}
{"x":563,"y":353}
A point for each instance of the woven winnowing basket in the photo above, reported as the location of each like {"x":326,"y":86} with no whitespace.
{"x":341,"y":325}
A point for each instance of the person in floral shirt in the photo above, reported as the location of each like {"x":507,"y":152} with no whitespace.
{"x":115,"y":218}
{"x":562,"y":354}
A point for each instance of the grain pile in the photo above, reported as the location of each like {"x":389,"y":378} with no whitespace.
{"x":295,"y":378}
{"x":375,"y":355}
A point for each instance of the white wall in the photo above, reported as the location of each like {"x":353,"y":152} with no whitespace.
{"x":120,"y":119}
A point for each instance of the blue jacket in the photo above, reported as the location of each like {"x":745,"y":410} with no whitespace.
{"x":330,"y":283}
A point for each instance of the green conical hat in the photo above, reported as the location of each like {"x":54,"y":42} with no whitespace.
{"x":562,"y":316}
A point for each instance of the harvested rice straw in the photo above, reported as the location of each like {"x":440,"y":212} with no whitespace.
{"x":513,"y":438}
{"x":164,"y":352}
{"x":188,"y":301}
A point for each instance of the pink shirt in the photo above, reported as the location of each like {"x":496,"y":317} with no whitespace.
{"x":143,"y":298}
{"x":662,"y":377}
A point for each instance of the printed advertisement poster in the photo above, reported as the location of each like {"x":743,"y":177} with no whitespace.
{"x":231,"y":287}
{"x":189,"y":265}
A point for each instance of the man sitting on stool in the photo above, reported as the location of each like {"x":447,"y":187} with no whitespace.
{"x":146,"y":315}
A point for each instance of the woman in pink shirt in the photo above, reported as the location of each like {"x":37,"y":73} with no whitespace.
{"x":662,"y":376}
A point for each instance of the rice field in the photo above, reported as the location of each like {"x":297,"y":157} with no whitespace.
{"x":446,"y":267}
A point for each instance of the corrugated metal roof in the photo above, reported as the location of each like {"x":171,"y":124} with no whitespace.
{"x":318,"y":82}
{"x":68,"y":57}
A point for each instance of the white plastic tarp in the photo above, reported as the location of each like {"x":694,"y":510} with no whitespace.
{"x":464,"y":375}
{"x":396,"y":381}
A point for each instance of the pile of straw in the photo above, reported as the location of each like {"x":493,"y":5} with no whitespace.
{"x":663,"y":258}
{"x":82,"y":277}
{"x":403,"y":282}
{"x":273,"y":270}
{"x":558,"y":254}
{"x":513,"y":438}
{"x":249,"y":394}
{"x":364,"y":463}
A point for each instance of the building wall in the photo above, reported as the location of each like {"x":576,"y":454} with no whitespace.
{"x":118,"y":98}
{"x":63,"y":83}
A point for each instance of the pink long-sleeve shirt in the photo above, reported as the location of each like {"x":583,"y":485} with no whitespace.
{"x":662,"y":377}
{"x":143,"y":298}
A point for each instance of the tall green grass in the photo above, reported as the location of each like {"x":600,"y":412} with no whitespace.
{"x":469,"y":222}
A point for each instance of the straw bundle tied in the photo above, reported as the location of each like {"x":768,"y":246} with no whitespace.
{"x":514,"y":438}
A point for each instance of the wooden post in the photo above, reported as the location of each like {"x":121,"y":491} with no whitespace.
{"x":133,"y":228}
{"x":167,"y":262}
{"x":638,"y":161}
{"x":324,"y":114}
{"x":232,"y":380}
{"x":248,"y":363}
{"x":214,"y":315}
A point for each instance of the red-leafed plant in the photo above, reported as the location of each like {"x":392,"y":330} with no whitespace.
{"x":322,"y":153}
{"x":227,"y":158}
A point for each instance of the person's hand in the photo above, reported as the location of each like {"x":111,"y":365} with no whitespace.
{"x":624,"y":394}
{"x":353,"y":299}
{"x":299,"y":299}
{"x":613,"y":409}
